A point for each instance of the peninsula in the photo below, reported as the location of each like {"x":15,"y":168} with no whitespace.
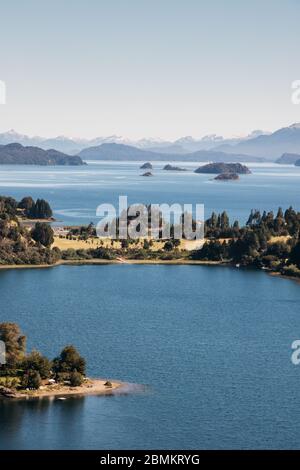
{"x":17,"y":154}
{"x":33,"y":375}
{"x":267,"y":241}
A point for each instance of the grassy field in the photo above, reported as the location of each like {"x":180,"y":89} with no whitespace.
{"x":282,"y":239}
{"x":64,"y":244}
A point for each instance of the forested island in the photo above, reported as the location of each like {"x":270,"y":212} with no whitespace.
{"x":25,"y":375}
{"x":146,"y":166}
{"x":216,"y":168}
{"x":227,"y":177}
{"x":267,"y":241}
{"x":173,"y":168}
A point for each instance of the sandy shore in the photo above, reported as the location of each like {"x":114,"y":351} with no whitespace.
{"x":284,"y":276}
{"x":174,"y":262}
{"x":89,"y":387}
{"x":106,"y":261}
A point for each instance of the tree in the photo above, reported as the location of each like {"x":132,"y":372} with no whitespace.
{"x":212,"y":251}
{"x":26,"y":204}
{"x":146,"y":244}
{"x":43,"y":233}
{"x":293,"y":221}
{"x":279,"y":250}
{"x":280,"y":213}
{"x":279,"y":222}
{"x":8,"y":205}
{"x":40,"y":210}
{"x":213,"y":220}
{"x":31,"y":379}
{"x":91,"y":229}
{"x":36,"y":361}
{"x":15,"y":344}
{"x":254,"y":218}
{"x":168,"y":246}
{"x":246,"y":247}
{"x":224,"y":222}
{"x":69,"y":361}
{"x":76,"y":379}
{"x":295,"y":255}
{"x":124,"y":243}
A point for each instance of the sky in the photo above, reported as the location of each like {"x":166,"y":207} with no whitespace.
{"x":148,"y":68}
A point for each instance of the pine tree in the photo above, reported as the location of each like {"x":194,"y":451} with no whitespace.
{"x":40,"y":210}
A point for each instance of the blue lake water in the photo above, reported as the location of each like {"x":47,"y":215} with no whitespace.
{"x":75,"y":192}
{"x":212,"y":345}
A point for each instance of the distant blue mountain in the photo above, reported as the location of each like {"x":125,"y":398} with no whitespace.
{"x":120,"y":152}
{"x":271,"y":147}
{"x":74,"y":145}
{"x":17,"y":154}
{"x":257,"y":144}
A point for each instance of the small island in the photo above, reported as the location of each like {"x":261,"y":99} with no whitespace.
{"x":33,"y":375}
{"x":148,"y":173}
{"x":218,"y":168}
{"x":173,"y":168}
{"x":146,"y":166}
{"x":227,"y":177}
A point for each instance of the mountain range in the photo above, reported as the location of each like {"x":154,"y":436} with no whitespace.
{"x":121,"y":152}
{"x":73,"y":146}
{"x":270,"y":147}
{"x":258,"y":144}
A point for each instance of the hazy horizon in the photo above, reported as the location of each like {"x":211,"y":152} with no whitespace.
{"x":154,"y":138}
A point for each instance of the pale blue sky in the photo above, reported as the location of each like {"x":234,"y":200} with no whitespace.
{"x":148,"y":68}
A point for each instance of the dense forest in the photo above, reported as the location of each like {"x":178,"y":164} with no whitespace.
{"x":267,"y":241}
{"x":20,"y":245}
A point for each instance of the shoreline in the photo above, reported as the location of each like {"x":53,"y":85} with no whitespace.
{"x":89,"y":387}
{"x":96,"y":261}
{"x":103,"y":262}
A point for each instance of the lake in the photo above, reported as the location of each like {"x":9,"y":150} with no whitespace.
{"x":212,"y":345}
{"x":75,"y":192}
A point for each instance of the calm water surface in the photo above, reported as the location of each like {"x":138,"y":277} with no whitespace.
{"x":75,"y":192}
{"x":211,"y":344}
